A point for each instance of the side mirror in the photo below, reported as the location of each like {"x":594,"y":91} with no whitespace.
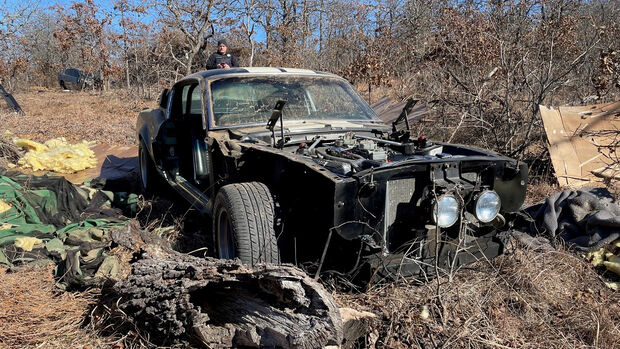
{"x":163,"y":98}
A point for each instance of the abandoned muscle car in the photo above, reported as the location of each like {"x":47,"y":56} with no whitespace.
{"x":293,"y":166}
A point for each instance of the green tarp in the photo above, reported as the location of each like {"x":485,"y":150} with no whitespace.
{"x":47,"y":219}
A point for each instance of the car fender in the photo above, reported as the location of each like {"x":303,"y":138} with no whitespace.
{"x":147,"y":128}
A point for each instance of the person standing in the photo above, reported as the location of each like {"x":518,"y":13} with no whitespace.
{"x":221,"y":59}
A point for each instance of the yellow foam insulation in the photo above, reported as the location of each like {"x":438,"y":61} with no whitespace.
{"x":4,"y":206}
{"x":609,"y":260}
{"x":56,"y":155}
{"x":612,"y":263}
{"x":27,"y":243}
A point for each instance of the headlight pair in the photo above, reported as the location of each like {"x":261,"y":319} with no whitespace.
{"x":447,"y":208}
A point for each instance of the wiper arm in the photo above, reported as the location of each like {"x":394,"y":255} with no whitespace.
{"x":404,"y":114}
{"x":275,"y":115}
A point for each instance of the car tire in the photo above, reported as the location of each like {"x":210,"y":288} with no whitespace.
{"x":62,"y":85}
{"x":244,"y":223}
{"x":149,"y":178}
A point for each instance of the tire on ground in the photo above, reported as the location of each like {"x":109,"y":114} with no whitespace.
{"x":249,"y":209}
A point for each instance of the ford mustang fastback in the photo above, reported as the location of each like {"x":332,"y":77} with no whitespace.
{"x":291,"y":165}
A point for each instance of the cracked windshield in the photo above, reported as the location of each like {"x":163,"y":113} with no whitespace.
{"x":244,"y":100}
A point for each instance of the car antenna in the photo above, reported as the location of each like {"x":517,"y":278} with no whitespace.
{"x":275,"y":115}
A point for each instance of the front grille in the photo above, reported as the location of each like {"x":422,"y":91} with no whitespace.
{"x":398,"y":191}
{"x":470,"y":176}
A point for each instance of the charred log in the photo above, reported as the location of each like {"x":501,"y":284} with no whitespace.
{"x":222,"y":303}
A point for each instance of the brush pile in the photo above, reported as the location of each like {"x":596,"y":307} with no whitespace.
{"x":525,"y":299}
{"x":9,"y":152}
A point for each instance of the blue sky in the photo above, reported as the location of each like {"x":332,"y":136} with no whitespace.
{"x":106,"y":5}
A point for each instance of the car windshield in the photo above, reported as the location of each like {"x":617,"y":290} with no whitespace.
{"x":250,"y":100}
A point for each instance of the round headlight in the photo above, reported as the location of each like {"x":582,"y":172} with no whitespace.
{"x":487,"y":206}
{"x":446,"y":211}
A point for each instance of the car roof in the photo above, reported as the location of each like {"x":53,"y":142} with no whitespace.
{"x":257,"y":70}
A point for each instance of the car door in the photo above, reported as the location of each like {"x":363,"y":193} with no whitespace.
{"x":166,"y":145}
{"x":182,"y":135}
{"x":194,"y":121}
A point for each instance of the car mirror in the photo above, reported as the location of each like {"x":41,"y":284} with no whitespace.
{"x":163,"y":98}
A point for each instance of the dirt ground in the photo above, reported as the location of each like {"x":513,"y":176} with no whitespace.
{"x":523,"y":299}
{"x":101,"y":117}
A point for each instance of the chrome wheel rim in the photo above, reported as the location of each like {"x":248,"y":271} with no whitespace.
{"x":224,"y":234}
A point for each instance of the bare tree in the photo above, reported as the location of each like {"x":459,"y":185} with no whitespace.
{"x":83,"y":37}
{"x":246,"y":9}
{"x":13,"y":60}
{"x":195,"y":20}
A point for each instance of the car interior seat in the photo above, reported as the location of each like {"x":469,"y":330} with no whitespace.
{"x":200,"y":149}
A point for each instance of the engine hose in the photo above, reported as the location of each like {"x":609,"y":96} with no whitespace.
{"x":347,"y":155}
{"x":358,"y":164}
{"x":321,"y":151}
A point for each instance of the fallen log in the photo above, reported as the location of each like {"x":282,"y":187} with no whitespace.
{"x":223,"y":303}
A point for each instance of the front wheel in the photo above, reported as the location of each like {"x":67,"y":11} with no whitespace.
{"x":244,"y":223}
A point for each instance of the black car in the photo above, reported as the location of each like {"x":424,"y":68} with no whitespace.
{"x":293,"y":166}
{"x":75,"y":79}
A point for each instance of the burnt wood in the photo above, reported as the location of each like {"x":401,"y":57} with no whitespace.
{"x":223,"y":303}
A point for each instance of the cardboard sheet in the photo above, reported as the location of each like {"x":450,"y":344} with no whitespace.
{"x":581,"y":150}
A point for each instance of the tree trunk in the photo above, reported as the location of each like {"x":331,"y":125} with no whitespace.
{"x":222,"y":303}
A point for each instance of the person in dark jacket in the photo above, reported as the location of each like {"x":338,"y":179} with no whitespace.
{"x":221,"y":59}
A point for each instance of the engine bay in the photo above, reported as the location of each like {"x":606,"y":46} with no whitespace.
{"x":352,"y":153}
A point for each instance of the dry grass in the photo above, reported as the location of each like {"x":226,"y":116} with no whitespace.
{"x":106,"y":117}
{"x":9,"y":153}
{"x":540,"y":191}
{"x":34,"y":313}
{"x":523,"y":300}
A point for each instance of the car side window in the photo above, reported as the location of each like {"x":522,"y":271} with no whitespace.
{"x":181,"y":99}
{"x":195,"y":103}
{"x":170,"y":103}
{"x":184,"y":99}
{"x":73,"y":72}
